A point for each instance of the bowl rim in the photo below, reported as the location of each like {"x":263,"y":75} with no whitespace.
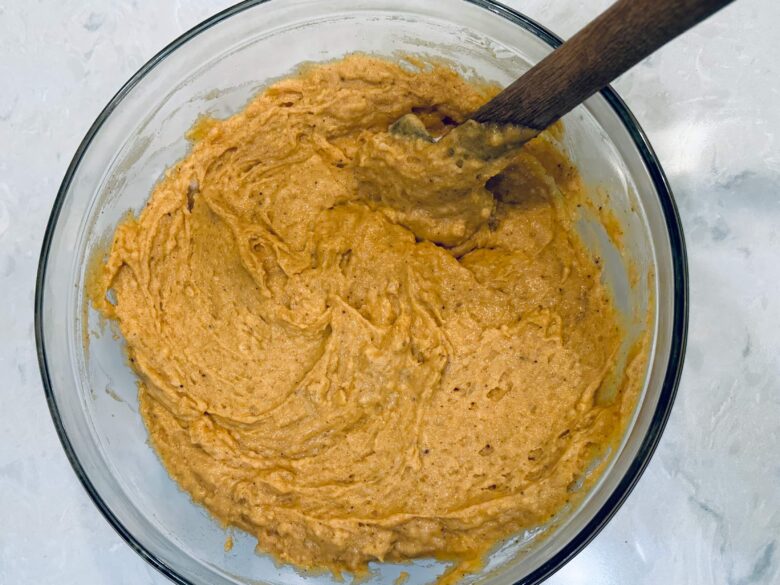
{"x":679,"y":314}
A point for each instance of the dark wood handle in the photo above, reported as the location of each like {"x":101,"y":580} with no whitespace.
{"x":618,"y":39}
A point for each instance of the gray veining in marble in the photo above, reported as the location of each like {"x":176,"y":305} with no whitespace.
{"x":708,"y":508}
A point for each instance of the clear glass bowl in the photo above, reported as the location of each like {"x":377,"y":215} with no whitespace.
{"x":215,"y":68}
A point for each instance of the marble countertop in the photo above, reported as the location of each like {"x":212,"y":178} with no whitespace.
{"x":707,"y":510}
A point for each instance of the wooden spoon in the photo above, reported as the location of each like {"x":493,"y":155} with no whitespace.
{"x":615,"y":41}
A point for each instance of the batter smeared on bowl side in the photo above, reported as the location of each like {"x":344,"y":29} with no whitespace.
{"x":352,"y":369}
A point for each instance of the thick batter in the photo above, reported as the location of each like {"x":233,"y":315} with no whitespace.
{"x":350,"y":374}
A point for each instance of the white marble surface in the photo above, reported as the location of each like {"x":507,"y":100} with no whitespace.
{"x":708,"y":508}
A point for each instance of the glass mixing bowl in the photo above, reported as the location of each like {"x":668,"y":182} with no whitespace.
{"x":215,"y":68}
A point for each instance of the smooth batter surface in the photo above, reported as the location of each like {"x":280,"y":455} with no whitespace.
{"x":318,"y":369}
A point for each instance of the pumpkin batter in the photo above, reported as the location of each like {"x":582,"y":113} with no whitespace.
{"x":348,"y":372}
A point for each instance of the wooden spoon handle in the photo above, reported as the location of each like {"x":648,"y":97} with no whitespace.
{"x":620,"y":37}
